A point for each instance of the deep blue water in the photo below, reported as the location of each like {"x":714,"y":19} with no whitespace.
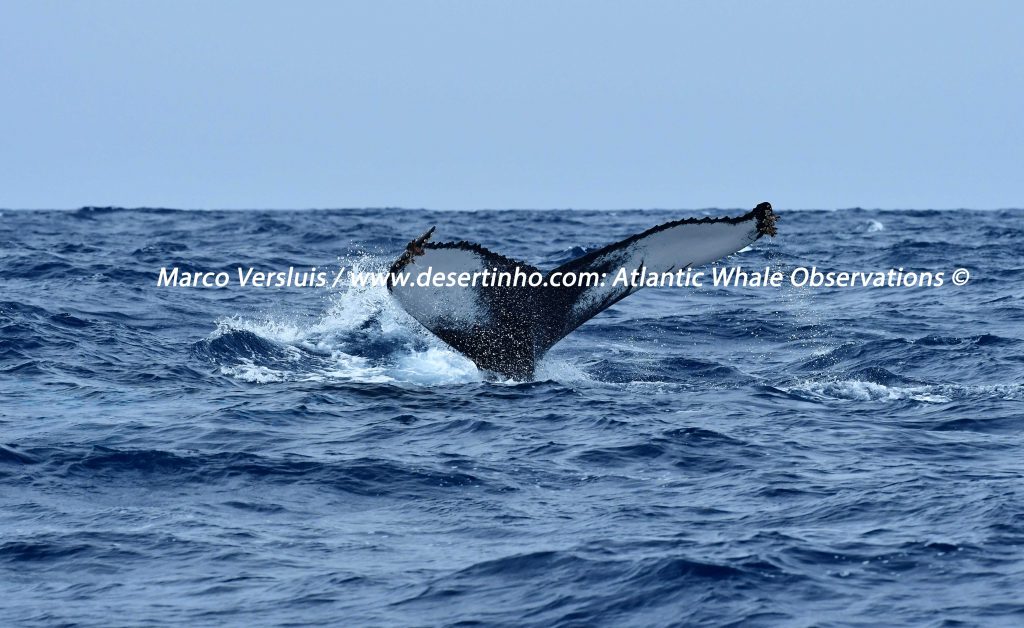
{"x":722,"y":456}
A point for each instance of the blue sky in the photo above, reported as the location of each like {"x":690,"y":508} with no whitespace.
{"x":476,"y":104}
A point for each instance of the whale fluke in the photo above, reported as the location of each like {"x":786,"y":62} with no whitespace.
{"x":506,"y":327}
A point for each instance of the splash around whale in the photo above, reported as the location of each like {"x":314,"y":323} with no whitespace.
{"x":505,"y":327}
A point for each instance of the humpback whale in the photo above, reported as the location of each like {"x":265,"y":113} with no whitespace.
{"x":506,"y":327}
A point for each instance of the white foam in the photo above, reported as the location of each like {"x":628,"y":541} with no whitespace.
{"x":875,"y":226}
{"x":419,"y":358}
{"x":561,"y":370}
{"x":437,"y":366}
{"x":249,"y":372}
{"x":858,"y":390}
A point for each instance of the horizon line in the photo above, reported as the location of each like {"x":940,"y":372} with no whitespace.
{"x":489,"y":209}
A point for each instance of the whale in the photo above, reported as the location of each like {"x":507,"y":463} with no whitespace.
{"x":505,"y":314}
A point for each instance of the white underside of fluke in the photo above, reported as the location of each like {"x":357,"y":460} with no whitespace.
{"x":686,"y":245}
{"x":443,"y":306}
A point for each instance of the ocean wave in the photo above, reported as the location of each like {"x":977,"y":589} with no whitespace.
{"x":365,"y":476}
{"x":667,"y":589}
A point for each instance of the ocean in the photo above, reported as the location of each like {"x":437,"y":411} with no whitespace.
{"x":714,"y":455}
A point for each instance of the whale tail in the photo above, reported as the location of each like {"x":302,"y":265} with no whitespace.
{"x":505,"y":314}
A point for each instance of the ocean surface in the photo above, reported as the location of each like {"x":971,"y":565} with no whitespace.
{"x":298,"y":456}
